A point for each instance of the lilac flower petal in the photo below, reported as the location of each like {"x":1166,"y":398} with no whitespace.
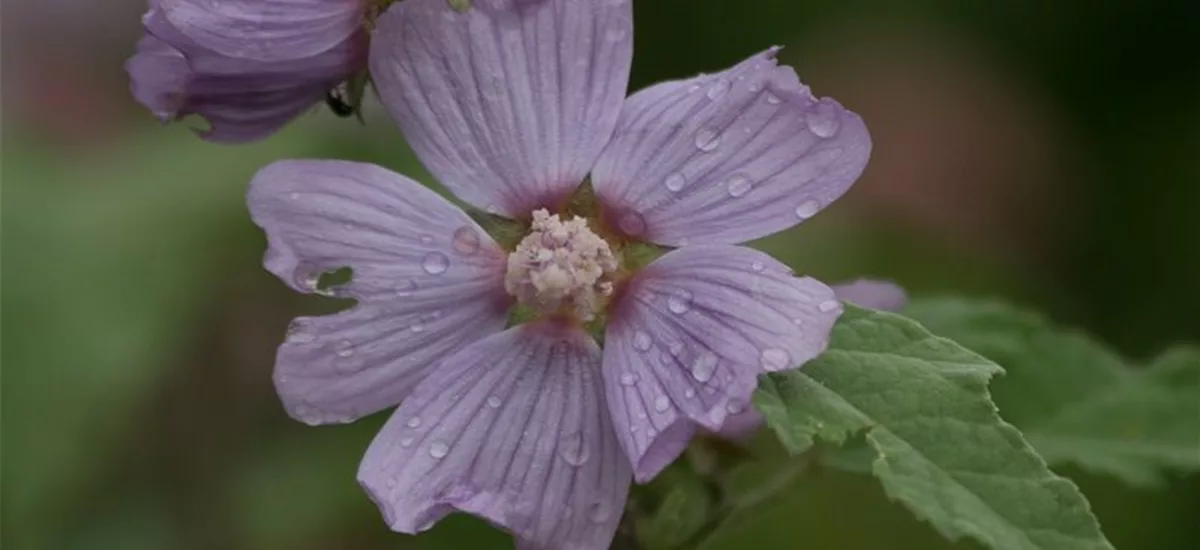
{"x":510,"y":103}
{"x":428,"y":281}
{"x":265,"y":30}
{"x":874,"y":294}
{"x":692,"y":332}
{"x":241,"y":99}
{"x":864,"y":292}
{"x":511,"y":429}
{"x":728,"y":157}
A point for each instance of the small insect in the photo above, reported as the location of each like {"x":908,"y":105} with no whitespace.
{"x":337,"y":102}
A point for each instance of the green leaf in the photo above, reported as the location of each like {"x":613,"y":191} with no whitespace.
{"x":682,"y":513}
{"x":922,"y":404}
{"x":1076,"y":400}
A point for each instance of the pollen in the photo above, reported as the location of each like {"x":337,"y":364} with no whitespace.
{"x":561,"y":265}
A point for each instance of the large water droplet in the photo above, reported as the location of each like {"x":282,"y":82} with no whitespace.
{"x":662,"y":403}
{"x":718,"y":89}
{"x":704,"y":366}
{"x":632,"y":224}
{"x":823,"y":122}
{"x":414,"y":422}
{"x":435,"y":263}
{"x":675,"y":181}
{"x":680,"y":302}
{"x":439,"y":449}
{"x":629,"y":379}
{"x":828,"y":305}
{"x":466,"y":240}
{"x":807,"y":209}
{"x":494,"y":401}
{"x":707,"y":139}
{"x":738,"y":185}
{"x":575,"y":450}
{"x":642,"y":341}
{"x":774,"y":359}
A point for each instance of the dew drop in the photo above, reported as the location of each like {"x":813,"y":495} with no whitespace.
{"x":426,"y":239}
{"x":704,"y":366}
{"x":417,"y":326}
{"x":629,"y":379}
{"x":466,"y":240}
{"x":662,"y":403}
{"x":690,"y":393}
{"x":675,"y":181}
{"x":718,"y":90}
{"x":707,"y":139}
{"x":642,"y":341}
{"x":758,"y":266}
{"x":414,"y":422}
{"x":774,"y":359}
{"x":406,"y":442}
{"x":755,"y":87}
{"x":675,"y":348}
{"x":297,"y":335}
{"x":807,"y":209}
{"x":575,"y":450}
{"x":680,"y":302}
{"x":632,"y":224}
{"x":651,"y":432}
{"x":439,"y":449}
{"x":824,"y":122}
{"x":494,"y":402}
{"x":435,"y":263}
{"x":772,"y":99}
{"x":827,"y":306}
{"x":738,"y":185}
{"x":735,"y":407}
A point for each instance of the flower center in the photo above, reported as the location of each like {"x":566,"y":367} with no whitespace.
{"x":561,"y":265}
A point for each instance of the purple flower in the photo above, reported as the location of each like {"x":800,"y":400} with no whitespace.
{"x":247,"y":66}
{"x":512,"y":105}
{"x":869,"y":293}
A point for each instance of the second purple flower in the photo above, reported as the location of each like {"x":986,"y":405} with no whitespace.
{"x":512,"y":105}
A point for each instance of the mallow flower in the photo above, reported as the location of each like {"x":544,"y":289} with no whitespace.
{"x":248,"y":67}
{"x":518,"y":107}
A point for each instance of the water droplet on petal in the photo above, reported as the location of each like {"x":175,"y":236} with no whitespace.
{"x":632,"y":224}
{"x":675,"y":181}
{"x":629,"y":379}
{"x":717,"y":90}
{"x":417,"y":326}
{"x":494,"y":402}
{"x":575,"y":450}
{"x":690,"y":393}
{"x":642,"y":341}
{"x":704,"y":366}
{"x":662,"y":403}
{"x":707,"y":139}
{"x":439,"y":449}
{"x":680,"y":302}
{"x":345,"y":349}
{"x":414,"y":422}
{"x":772,"y":99}
{"x":738,"y":185}
{"x":774,"y":359}
{"x":807,"y":209}
{"x":599,"y":512}
{"x":296,"y":334}
{"x":823,"y":122}
{"x":466,"y":240}
{"x":426,"y":239}
{"x":828,"y":305}
{"x":755,"y":87}
{"x":758,"y":266}
{"x":435,"y":263}
{"x":734,"y":406}
{"x":675,"y":348}
{"x":405,"y":442}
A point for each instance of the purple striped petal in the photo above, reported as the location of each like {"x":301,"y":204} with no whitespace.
{"x":265,"y":30}
{"x":428,"y":281}
{"x":729,"y":157}
{"x":873,"y":294}
{"x":512,"y":429}
{"x":864,"y":292}
{"x":691,"y":333}
{"x":242,"y":99}
{"x":510,"y":103}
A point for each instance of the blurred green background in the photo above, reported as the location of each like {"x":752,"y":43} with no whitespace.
{"x":1042,"y":151}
